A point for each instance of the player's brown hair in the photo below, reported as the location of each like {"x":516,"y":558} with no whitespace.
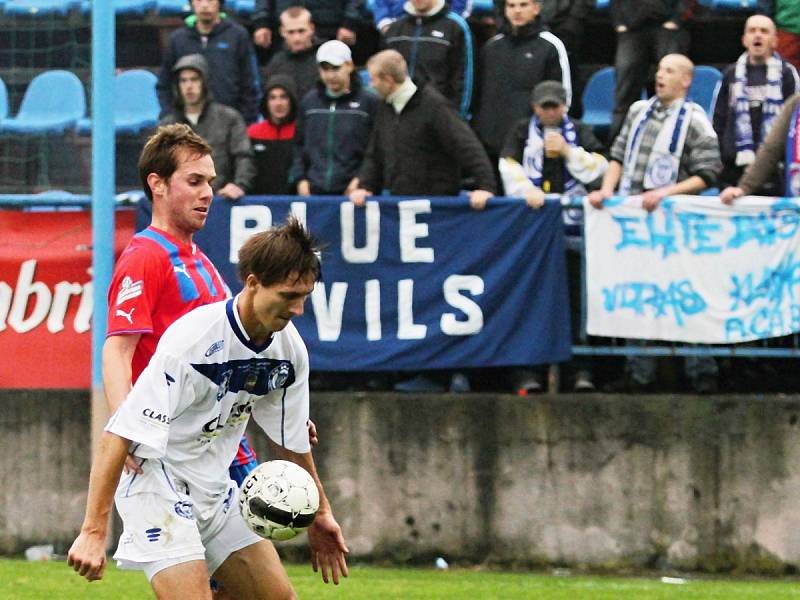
{"x":160,"y":153}
{"x":274,"y":255}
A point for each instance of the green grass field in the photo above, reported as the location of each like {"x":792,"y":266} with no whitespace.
{"x":20,"y":580}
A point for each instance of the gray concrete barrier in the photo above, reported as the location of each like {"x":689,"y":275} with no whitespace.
{"x":679,"y":481}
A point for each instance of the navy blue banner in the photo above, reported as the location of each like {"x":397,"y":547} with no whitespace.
{"x":410,"y":284}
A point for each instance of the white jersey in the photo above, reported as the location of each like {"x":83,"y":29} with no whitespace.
{"x":190,"y":406}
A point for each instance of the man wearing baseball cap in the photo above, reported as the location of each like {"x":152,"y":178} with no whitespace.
{"x":333,"y":127}
{"x":551,"y":153}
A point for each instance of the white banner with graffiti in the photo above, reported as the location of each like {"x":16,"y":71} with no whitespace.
{"x":694,"y":270}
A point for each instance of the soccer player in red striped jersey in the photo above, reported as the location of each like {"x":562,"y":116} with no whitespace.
{"x":162,"y":275}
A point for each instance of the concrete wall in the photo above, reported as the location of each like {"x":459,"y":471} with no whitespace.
{"x":657,"y":481}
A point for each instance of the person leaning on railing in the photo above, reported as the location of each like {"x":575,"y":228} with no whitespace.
{"x":774,"y":150}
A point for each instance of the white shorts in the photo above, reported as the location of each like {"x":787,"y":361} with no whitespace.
{"x":160,"y":529}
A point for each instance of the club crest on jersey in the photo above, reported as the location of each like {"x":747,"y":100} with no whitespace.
{"x":129,"y":289}
{"x":278,"y":376}
{"x":183,"y":508}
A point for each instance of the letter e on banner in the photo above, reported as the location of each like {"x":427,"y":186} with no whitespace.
{"x":410,"y":230}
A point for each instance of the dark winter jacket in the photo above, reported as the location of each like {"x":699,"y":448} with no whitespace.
{"x":273,"y":145}
{"x":510,"y":67}
{"x":424,"y":150}
{"x":332,"y":137}
{"x":326,"y":14}
{"x":301,"y":66}
{"x":638,"y":14}
{"x":438,"y":50}
{"x":232,"y":71}
{"x":222,"y":127}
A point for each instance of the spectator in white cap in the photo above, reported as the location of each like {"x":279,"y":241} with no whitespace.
{"x":333,"y":127}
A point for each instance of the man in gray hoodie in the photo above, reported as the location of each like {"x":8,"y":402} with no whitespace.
{"x":221,"y":125}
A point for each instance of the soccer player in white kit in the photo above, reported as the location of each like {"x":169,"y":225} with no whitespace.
{"x":183,"y":420}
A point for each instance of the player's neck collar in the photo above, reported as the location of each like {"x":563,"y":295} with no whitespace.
{"x":232,"y":310}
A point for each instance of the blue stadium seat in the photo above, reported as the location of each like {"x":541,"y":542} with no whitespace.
{"x":3,"y":100}
{"x":135,"y":103}
{"x":482,"y":7}
{"x":730,"y":5}
{"x":173,"y":7}
{"x":704,"y":85}
{"x":598,"y":98}
{"x":244,"y":7}
{"x":124,"y":7}
{"x":39,"y":7}
{"x":53,"y":102}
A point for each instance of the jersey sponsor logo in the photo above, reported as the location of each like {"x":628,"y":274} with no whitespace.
{"x":183,"y":508}
{"x":223,"y":385}
{"x":239,"y":412}
{"x":128,"y":315}
{"x":129,"y":289}
{"x":215,"y":347}
{"x":158,"y":417}
{"x":257,"y":376}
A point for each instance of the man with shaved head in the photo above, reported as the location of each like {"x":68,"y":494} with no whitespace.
{"x":666,"y":147}
{"x":750,"y":96}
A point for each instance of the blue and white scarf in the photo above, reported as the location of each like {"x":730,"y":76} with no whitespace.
{"x":665,"y":155}
{"x":533,"y":154}
{"x":745,"y":147}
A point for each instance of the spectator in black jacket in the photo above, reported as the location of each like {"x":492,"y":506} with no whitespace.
{"x":647,"y":30}
{"x":232,"y":70}
{"x":419,"y":146}
{"x":750,"y":96}
{"x":220,"y":125}
{"x":437,"y":46}
{"x":334,"y":19}
{"x":333,"y":127}
{"x":273,"y":138}
{"x":511,"y":64}
{"x":298,"y":58}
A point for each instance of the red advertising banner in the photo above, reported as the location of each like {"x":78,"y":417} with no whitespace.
{"x":46,"y":296}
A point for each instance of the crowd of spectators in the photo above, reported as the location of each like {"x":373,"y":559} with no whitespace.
{"x":315,"y":128}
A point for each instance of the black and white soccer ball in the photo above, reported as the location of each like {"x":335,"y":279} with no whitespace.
{"x":278,"y":500}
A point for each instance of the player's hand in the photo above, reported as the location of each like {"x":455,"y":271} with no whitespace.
{"x":729,"y":194}
{"x":327,"y":548}
{"x":231,"y":191}
{"x":312,"y":434}
{"x":262,"y":37}
{"x":359,"y":196}
{"x":87,"y":555}
{"x":132,"y":465}
{"x":479,"y":198}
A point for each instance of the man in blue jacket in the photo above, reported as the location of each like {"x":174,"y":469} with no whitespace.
{"x":232,"y":68}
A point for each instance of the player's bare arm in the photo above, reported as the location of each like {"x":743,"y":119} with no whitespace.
{"x":328,"y":548}
{"x":117,"y":358}
{"x":87,"y":555}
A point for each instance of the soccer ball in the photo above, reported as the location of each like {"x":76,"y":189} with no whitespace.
{"x":278,"y":500}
